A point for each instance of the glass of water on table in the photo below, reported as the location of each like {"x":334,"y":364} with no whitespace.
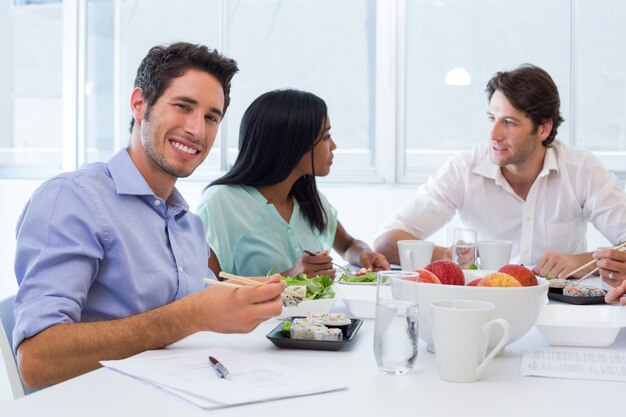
{"x":464,"y":248}
{"x":395,"y":328}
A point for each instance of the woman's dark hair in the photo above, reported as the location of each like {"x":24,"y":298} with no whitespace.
{"x":277,"y":129}
{"x":531,"y":90}
{"x":164,"y":63}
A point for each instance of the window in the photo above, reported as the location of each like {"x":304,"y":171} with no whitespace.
{"x":598,"y":120}
{"x":31,"y":106}
{"x":453,"y":49}
{"x":577,"y":42}
{"x":404,"y":80}
{"x":274,"y":49}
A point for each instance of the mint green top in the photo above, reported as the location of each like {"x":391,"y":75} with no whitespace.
{"x":248,"y":235}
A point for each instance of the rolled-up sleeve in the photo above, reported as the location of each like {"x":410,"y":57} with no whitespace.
{"x":58,"y":253}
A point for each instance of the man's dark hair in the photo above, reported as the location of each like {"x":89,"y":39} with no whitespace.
{"x":164,"y":63}
{"x":531,"y":90}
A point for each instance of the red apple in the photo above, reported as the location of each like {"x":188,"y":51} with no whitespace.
{"x":499,"y":279}
{"x":427,"y":277}
{"x":448,"y":272}
{"x":524,"y":275}
{"x":474,"y":282}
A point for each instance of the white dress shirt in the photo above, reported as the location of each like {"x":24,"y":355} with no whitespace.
{"x":572,"y":188}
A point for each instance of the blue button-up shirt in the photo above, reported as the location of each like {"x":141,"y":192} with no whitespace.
{"x":97,"y":244}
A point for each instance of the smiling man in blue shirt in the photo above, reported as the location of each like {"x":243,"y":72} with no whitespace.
{"x":109,"y":260}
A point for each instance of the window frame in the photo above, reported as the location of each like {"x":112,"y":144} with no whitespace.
{"x":389,"y":157}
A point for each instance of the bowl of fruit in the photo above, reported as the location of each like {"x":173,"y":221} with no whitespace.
{"x":517,"y":293}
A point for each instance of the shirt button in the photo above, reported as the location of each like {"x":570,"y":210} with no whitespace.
{"x":180,"y":269}
{"x":290,"y":231}
{"x":157,"y":202}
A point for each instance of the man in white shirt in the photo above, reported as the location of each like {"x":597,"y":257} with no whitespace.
{"x":523,"y":185}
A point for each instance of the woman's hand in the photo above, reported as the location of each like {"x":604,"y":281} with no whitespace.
{"x":373,"y":260}
{"x":612,"y":264}
{"x":612,"y":269}
{"x":312,"y":265}
{"x":615,"y":295}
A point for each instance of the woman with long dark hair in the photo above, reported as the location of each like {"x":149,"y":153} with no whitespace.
{"x":266,"y":211}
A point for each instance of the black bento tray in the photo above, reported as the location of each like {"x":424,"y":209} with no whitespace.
{"x":556,"y":294}
{"x":282,"y":341}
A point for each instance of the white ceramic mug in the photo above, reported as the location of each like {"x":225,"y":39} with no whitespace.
{"x":494,"y":254}
{"x":415,"y":254}
{"x":460,"y":335}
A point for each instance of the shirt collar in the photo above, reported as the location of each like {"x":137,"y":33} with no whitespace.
{"x":128,"y":180}
{"x":487,"y":169}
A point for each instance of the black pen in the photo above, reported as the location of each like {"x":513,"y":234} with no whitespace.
{"x":219,"y":368}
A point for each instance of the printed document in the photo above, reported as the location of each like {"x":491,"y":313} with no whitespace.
{"x":575,"y":363}
{"x":189,"y":374}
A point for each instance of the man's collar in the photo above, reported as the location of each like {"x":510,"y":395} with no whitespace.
{"x":129,"y":181}
{"x":488,"y":169}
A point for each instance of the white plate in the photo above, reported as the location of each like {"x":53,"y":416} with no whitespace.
{"x":355,"y":283}
{"x":572,"y":325}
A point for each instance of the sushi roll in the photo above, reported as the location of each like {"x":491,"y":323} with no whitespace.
{"x":337,"y":321}
{"x":583,"y":291}
{"x":290,"y":300}
{"x":311,"y":331}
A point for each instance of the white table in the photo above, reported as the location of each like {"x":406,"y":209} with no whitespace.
{"x":501,"y":392}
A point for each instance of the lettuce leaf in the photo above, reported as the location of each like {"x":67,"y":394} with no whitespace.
{"x":316,"y":288}
{"x":367,"y":277}
{"x":286,"y":329}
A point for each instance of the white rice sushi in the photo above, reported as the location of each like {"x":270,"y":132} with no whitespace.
{"x":310,"y":331}
{"x":583,"y":291}
{"x":290,"y":300}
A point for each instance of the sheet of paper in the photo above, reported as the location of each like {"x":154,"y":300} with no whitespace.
{"x":188,"y":374}
{"x":575,"y":363}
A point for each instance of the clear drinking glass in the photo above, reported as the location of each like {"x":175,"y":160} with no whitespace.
{"x":464,"y":248}
{"x":395,"y":328}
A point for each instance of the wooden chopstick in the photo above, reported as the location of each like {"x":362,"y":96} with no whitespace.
{"x":619,"y":248}
{"x":245,"y":280}
{"x":231,"y":285}
{"x":590,"y":273}
{"x":221,"y":283}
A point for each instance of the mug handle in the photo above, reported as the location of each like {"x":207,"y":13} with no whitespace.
{"x":507,"y":335}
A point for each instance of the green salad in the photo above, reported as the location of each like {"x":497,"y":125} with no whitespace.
{"x":369,"y":276}
{"x":316,"y":288}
